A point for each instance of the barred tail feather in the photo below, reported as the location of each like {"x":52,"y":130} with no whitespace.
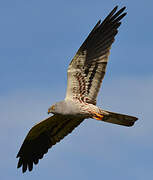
{"x":116,"y":118}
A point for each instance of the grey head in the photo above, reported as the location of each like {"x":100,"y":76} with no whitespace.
{"x":64,"y":108}
{"x":57,"y":108}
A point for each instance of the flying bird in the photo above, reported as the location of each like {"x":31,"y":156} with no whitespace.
{"x":84,"y":78}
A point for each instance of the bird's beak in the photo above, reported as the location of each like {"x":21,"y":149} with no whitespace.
{"x":51,"y":109}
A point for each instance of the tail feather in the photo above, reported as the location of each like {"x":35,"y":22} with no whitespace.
{"x":116,"y":118}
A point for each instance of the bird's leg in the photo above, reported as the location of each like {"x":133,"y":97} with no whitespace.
{"x":97,"y":116}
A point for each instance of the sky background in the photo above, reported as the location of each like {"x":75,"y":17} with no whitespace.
{"x":37,"y":41}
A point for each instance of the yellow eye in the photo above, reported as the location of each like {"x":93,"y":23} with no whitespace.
{"x":53,"y":107}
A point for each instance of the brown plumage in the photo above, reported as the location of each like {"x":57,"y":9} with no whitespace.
{"x":42,"y":137}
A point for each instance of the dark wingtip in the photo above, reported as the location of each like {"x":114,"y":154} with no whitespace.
{"x":19,"y":163}
{"x":124,"y":7}
{"x":115,"y":8}
{"x":24,"y":170}
{"x":24,"y":167}
{"x":17,"y":155}
{"x":99,"y":21}
{"x":30,"y":166}
{"x":132,"y":122}
{"x":125,"y":13}
{"x":135,"y":119}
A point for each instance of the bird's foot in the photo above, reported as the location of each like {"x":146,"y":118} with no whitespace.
{"x":97,"y":116}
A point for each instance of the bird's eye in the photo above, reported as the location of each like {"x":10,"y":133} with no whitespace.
{"x":53,"y":107}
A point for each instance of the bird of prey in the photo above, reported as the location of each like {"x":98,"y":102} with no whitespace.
{"x":84,"y":77}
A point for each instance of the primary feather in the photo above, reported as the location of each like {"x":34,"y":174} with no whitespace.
{"x":87,"y":68}
{"x":42,"y":137}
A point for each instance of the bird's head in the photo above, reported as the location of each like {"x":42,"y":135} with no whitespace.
{"x":51,"y":109}
{"x":56,"y":108}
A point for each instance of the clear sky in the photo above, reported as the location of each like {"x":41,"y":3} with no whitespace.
{"x":37,"y":41}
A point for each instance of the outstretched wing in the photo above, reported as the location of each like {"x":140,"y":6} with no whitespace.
{"x":42,"y":137}
{"x":87,"y":69}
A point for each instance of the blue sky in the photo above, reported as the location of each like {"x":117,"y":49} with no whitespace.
{"x":37,"y":41}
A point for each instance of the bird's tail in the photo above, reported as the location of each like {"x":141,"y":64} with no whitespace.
{"x":115,"y":118}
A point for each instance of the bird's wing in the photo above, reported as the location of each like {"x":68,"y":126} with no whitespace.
{"x":87,"y":68}
{"x":42,"y":137}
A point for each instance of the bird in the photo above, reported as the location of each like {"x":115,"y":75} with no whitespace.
{"x":84,"y":78}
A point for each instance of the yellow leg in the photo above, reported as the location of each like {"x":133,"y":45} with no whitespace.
{"x":97,"y":116}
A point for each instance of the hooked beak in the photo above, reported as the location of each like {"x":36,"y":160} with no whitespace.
{"x":51,"y":109}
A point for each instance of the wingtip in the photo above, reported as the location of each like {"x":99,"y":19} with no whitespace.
{"x":133,"y":122}
{"x":125,"y":13}
{"x":120,"y":10}
{"x":115,"y":8}
{"x":124,"y":7}
{"x":99,"y":21}
{"x":17,"y":155}
{"x":18,"y":166}
{"x":19,"y":163}
{"x":23,"y":171}
{"x":24,"y":168}
{"x":135,"y":118}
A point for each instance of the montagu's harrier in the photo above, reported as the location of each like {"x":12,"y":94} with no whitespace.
{"x":85,"y":74}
